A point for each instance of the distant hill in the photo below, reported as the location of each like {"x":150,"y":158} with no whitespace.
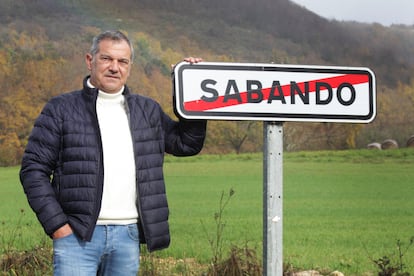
{"x":246,"y":30}
{"x":282,"y":31}
{"x":43,"y":42}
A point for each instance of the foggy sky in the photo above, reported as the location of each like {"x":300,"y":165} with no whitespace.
{"x":385,"y":12}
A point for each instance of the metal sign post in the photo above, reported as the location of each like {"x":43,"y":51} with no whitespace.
{"x":270,"y":93}
{"x":273,"y":199}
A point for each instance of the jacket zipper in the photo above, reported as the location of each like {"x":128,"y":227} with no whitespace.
{"x":137,"y":201}
{"x":99,"y":181}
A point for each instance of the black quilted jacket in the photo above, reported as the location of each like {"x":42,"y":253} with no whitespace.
{"x":62,"y":169}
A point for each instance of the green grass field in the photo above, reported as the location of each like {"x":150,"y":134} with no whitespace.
{"x":341,"y":208}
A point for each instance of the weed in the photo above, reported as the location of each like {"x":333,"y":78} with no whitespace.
{"x":241,"y":261}
{"x":8,"y":243}
{"x":396,"y":266}
{"x":216,"y":241}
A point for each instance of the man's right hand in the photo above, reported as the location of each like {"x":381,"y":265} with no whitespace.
{"x":62,"y":232}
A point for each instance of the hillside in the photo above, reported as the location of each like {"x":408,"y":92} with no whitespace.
{"x":43,"y":43}
{"x":263,"y":30}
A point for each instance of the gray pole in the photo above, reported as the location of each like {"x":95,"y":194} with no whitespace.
{"x":273,"y":199}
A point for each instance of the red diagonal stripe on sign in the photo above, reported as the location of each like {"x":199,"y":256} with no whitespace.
{"x":334,"y":82}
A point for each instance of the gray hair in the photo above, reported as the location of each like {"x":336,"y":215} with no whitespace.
{"x":110,"y":35}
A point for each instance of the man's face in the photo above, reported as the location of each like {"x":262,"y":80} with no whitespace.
{"x":110,"y":67}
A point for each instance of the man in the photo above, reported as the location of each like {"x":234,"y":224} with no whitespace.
{"x":92,"y":168}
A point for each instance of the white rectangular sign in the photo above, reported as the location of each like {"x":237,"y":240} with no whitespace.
{"x":274,"y":92}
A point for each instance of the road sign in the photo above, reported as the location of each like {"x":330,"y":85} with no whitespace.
{"x":274,"y":92}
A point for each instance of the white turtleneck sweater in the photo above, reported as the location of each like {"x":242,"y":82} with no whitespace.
{"x":119,"y":190}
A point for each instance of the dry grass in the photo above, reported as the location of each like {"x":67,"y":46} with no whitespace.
{"x":37,"y":261}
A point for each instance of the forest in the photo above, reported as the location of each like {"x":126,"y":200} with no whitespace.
{"x":43,"y":44}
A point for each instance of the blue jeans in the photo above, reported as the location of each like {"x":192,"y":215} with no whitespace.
{"x":113,"y":250}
